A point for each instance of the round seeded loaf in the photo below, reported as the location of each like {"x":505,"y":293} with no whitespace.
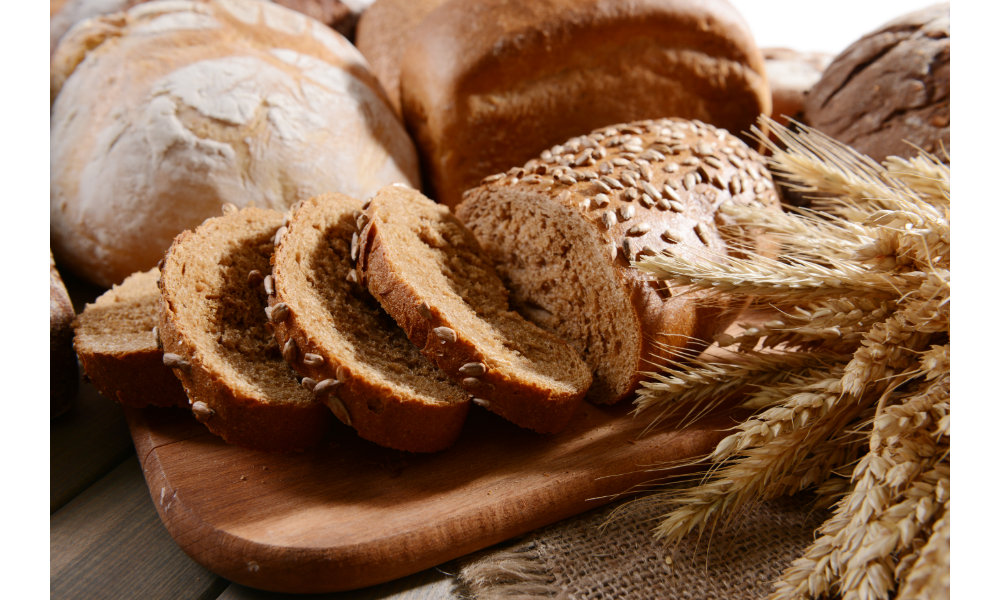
{"x":235,"y":101}
{"x":890,"y":89}
{"x":563,"y":229}
{"x":117,"y":344}
{"x":430,"y":274}
{"x":219,"y":342}
{"x":486,"y":84}
{"x":64,"y":377}
{"x":352,"y":354}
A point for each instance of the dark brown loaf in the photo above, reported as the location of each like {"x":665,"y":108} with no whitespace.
{"x":118,"y":349}
{"x":64,"y":378}
{"x":336,"y":332}
{"x":218,"y":338}
{"x":429,"y":273}
{"x":562,"y":230}
{"x":891,"y":87}
{"x":487,"y":84}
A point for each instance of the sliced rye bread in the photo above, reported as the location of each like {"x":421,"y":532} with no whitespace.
{"x":117,"y":345}
{"x":219,"y":342}
{"x":353,"y":355}
{"x":564,"y":229}
{"x":428,"y":272}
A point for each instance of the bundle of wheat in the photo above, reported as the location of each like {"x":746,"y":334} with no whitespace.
{"x":850,"y":381}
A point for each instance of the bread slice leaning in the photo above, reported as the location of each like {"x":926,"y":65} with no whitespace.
{"x":117,"y":345}
{"x":428,"y":272}
{"x":217,"y":337}
{"x":353,"y":355}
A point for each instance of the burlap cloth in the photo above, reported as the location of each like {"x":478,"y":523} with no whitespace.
{"x":597,"y":555}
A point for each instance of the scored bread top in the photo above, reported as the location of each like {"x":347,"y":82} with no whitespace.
{"x":336,"y":332}
{"x":563,"y":229}
{"x":216,"y":333}
{"x":486,"y":84}
{"x":117,"y":346}
{"x":429,"y":273}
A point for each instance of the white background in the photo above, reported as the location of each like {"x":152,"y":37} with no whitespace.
{"x":819,"y":25}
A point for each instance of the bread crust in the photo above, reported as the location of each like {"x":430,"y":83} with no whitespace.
{"x":124,"y":364}
{"x":381,"y":413}
{"x":908,"y":62}
{"x":382,"y":36}
{"x":659,"y":325}
{"x":501,"y":389}
{"x":249,"y":420}
{"x":486,"y":84}
{"x":235,"y":101}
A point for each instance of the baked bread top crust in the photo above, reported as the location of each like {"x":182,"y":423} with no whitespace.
{"x":486,"y":84}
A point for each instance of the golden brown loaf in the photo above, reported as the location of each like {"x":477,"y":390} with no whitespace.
{"x":353,"y":355}
{"x":234,"y":101}
{"x":563,"y":229}
{"x":64,"y":377}
{"x":487,"y":84}
{"x":217,"y":336}
{"x":117,"y":345}
{"x":383,"y":33}
{"x":430,"y":274}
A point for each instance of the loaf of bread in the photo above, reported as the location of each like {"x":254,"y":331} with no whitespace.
{"x":116,"y":340}
{"x":64,"y":377}
{"x":430,"y":274}
{"x":217,"y":336}
{"x":563,"y":229}
{"x":890,"y":89}
{"x":790,"y":75}
{"x":487,"y":84}
{"x":333,"y":13}
{"x":236,"y":101}
{"x":383,"y":33}
{"x":352,"y":354}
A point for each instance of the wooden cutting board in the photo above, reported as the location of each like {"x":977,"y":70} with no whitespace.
{"x":352,"y":514}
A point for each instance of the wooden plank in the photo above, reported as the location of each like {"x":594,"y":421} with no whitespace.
{"x":85,"y":444}
{"x":108,"y":542}
{"x":429,"y":584}
{"x":351,"y":514}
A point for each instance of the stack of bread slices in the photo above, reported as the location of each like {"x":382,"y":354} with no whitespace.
{"x":393,"y":315}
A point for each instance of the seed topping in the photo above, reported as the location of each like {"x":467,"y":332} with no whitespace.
{"x":446,"y":334}
{"x":201,"y":411}
{"x":474,"y":369}
{"x":279,"y":312}
{"x":312,"y":360}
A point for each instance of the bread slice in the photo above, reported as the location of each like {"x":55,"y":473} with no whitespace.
{"x":117,"y":346}
{"x":218,"y":339}
{"x":354,"y":355}
{"x":429,"y":273}
{"x":564,"y":230}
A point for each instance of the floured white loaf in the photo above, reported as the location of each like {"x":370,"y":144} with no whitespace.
{"x":235,"y":101}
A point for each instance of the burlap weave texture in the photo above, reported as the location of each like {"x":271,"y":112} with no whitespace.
{"x":578,"y":559}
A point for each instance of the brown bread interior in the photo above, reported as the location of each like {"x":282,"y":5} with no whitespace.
{"x":343,"y":318}
{"x":548,"y":253}
{"x":444,"y":263}
{"x":223,"y":317}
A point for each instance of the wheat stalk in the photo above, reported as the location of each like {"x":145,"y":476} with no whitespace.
{"x":856,"y":365}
